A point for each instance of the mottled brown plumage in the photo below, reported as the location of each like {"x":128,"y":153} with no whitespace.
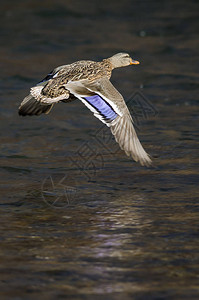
{"x":90,"y":70}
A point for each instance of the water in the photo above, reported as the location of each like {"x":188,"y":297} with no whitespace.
{"x":100,"y":226}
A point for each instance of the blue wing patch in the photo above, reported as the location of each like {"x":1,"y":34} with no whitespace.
{"x":102,"y":107}
{"x":48,"y":77}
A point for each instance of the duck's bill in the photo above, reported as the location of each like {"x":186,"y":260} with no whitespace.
{"x":134,"y":62}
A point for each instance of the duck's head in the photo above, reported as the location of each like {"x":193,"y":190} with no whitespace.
{"x":122,"y":60}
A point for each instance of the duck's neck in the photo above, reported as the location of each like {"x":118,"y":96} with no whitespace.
{"x":107,"y":64}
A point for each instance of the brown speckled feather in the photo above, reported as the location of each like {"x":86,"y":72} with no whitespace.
{"x":77,"y":71}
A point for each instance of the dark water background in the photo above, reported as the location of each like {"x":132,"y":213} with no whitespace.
{"x":93,"y":224}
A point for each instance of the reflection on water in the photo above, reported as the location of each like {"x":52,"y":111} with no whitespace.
{"x":110,"y":228}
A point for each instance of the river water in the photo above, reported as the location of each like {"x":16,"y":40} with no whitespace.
{"x":79,"y":219}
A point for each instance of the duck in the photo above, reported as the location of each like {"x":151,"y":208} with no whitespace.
{"x":89,"y":82}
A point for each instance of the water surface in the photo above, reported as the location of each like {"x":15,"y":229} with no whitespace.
{"x":79,"y":219}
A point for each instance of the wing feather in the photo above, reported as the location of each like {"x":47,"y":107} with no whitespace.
{"x":30,"y":106}
{"x":122,"y":125}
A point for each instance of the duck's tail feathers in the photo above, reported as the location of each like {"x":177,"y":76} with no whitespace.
{"x":30,"y":106}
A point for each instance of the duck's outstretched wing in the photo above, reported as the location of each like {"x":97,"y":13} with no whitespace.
{"x":108,"y":105}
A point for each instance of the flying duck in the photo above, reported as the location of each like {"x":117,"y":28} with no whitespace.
{"x":89,"y":81}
